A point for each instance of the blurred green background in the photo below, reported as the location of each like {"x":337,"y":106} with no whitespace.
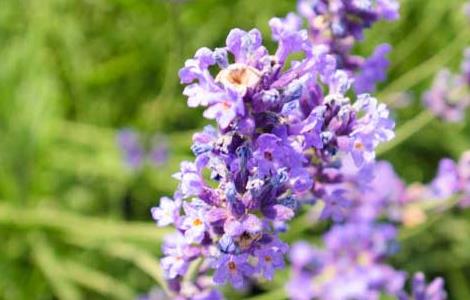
{"x":74,"y":219}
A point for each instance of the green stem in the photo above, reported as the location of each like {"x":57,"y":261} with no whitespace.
{"x":422,"y":31}
{"x":442,"y":206}
{"x":278,"y":294}
{"x":427,"y":68}
{"x":141,"y":258}
{"x":407,"y":130}
{"x":458,"y":284}
{"x":97,"y":281}
{"x":52,"y":269}
{"x":193,"y":271}
{"x":90,"y":227}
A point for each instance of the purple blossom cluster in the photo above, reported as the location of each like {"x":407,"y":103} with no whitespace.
{"x":449,"y":95}
{"x":408,"y":204}
{"x":354,"y":253}
{"x":350,"y":266}
{"x":283,"y":133}
{"x":422,"y":291}
{"x":452,"y":183}
{"x":134,"y":152}
{"x":287,"y":135}
{"x":340,"y":24}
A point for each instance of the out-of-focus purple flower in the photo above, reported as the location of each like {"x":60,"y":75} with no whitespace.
{"x":376,"y":199}
{"x":466,"y":62}
{"x":449,"y":95}
{"x":352,"y":259}
{"x":422,"y":291}
{"x":130,"y":146}
{"x":464,"y":174}
{"x":446,"y":183}
{"x":134,"y":152}
{"x":159,"y":153}
{"x":336,"y":205}
{"x":388,"y":9}
{"x":373,"y":70}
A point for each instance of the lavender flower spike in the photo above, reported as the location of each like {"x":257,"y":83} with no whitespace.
{"x":283,"y":133}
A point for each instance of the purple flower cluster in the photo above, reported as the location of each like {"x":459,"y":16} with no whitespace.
{"x":339,"y":24}
{"x":134,"y":152}
{"x":353,"y":254}
{"x":287,"y":135}
{"x":350,"y":266}
{"x":284,"y":132}
{"x":449,"y":95}
{"x":404,"y":204}
{"x":452,"y":180}
{"x":421,"y":291}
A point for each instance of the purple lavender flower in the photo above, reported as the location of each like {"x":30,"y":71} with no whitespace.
{"x":373,"y":70}
{"x":466,"y":63}
{"x":464,"y":175}
{"x":159,"y":153}
{"x":338,"y":24}
{"x":269,"y":260}
{"x":194,"y":224}
{"x":446,"y":183}
{"x":249,"y":224}
{"x":130,"y":146}
{"x":234,"y":269}
{"x":421,"y":291}
{"x":283,"y":132}
{"x":167,"y":212}
{"x":175,"y":262}
{"x":192,"y":182}
{"x":342,"y":19}
{"x":449,"y":95}
{"x":134,"y":152}
{"x":352,"y":258}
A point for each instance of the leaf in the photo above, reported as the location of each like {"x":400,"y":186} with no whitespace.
{"x":97,"y":281}
{"x":68,"y":222}
{"x":52,"y":269}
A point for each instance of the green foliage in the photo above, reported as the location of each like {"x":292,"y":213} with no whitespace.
{"x":74,"y":221}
